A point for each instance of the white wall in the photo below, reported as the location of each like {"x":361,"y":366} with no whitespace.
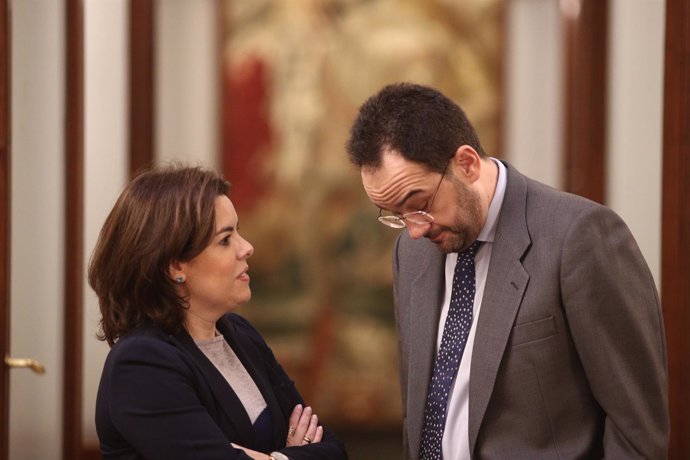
{"x":635,"y":121}
{"x":534,"y":89}
{"x":534,"y":98}
{"x":187,"y":82}
{"x":37,"y":235}
{"x":105,"y":162}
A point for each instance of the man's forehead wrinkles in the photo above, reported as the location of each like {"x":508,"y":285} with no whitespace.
{"x":388,"y":191}
{"x":396,"y":188}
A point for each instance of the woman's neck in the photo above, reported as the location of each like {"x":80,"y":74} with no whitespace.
{"x":200,"y":328}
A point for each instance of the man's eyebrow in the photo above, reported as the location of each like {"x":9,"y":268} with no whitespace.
{"x":406,"y":197}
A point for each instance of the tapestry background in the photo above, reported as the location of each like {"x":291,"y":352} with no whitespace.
{"x":294,"y":75}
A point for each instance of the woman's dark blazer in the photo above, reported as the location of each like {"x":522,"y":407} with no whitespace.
{"x":161,"y":398}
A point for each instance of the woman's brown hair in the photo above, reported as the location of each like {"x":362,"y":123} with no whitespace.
{"x":165,"y":214}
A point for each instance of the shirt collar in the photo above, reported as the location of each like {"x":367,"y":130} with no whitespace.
{"x":489,"y":231}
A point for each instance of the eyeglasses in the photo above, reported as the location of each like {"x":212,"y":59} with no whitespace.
{"x":415,"y":217}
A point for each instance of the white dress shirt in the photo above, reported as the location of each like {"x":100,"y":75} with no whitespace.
{"x":455,"y":435}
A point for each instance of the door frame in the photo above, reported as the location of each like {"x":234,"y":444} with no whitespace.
{"x":675,"y":232}
{"x":73,"y":360}
{"x":5,"y":153}
{"x":141,"y":147}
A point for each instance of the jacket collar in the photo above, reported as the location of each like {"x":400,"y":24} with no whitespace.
{"x":228,"y":401}
{"x":506,"y":283}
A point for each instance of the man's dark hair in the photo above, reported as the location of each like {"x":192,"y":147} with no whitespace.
{"x":418,"y":122}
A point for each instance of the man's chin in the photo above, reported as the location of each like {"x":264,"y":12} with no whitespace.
{"x":451,"y":243}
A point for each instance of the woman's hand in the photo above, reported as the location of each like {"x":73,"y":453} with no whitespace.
{"x":304,"y":427}
{"x":252,"y":453}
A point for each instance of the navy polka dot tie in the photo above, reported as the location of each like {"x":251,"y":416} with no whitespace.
{"x":455,"y":332}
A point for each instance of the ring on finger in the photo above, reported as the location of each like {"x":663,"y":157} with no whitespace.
{"x":291,"y":431}
{"x":307,"y":439}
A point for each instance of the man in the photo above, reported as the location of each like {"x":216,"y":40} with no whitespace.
{"x":547,"y":340}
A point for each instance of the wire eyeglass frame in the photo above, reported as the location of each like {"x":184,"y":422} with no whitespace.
{"x":420,"y":217}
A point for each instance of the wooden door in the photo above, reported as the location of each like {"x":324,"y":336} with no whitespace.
{"x":32,"y":202}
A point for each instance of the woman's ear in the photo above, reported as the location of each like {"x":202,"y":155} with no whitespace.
{"x":176,"y":272}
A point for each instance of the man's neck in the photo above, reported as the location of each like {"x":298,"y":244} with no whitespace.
{"x":488,"y":181}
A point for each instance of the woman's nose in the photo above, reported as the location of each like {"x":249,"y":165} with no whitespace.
{"x":247,"y":249}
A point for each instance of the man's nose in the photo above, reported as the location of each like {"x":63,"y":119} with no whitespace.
{"x":417,"y":231}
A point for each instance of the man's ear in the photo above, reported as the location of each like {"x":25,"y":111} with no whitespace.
{"x":466,"y":163}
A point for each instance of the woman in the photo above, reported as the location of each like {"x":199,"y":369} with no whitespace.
{"x":186,"y":378}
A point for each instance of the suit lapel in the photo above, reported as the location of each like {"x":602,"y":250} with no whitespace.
{"x":227,"y":399}
{"x":423,"y":317}
{"x":250,"y":359}
{"x":505,"y":286}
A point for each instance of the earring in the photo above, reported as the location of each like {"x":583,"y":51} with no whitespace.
{"x":179,"y":279}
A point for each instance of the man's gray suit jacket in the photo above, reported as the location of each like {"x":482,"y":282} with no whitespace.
{"x":569,"y":356}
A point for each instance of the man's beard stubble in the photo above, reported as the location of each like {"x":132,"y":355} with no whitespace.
{"x":468,"y":221}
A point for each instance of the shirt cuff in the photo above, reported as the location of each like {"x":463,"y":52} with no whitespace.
{"x":278,"y":456}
